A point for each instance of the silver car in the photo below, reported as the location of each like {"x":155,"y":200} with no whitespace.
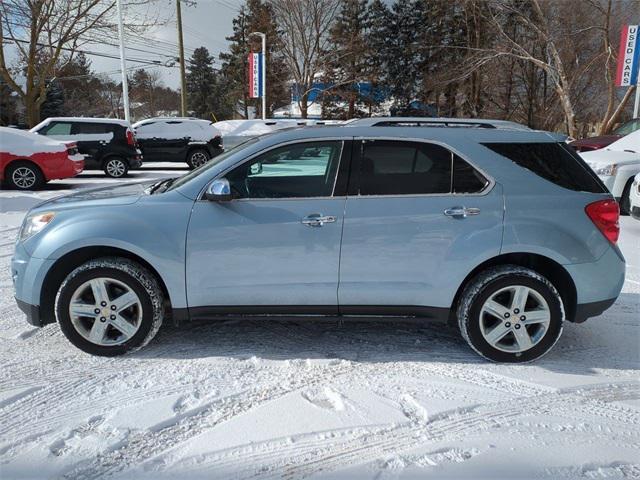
{"x":506,"y":234}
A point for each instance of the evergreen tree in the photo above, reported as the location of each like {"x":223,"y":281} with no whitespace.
{"x":380,"y":51}
{"x":200,"y":82}
{"x":53,"y":105}
{"x":7,"y":105}
{"x":346,"y":64}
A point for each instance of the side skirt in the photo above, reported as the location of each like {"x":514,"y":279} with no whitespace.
{"x":345,"y":312}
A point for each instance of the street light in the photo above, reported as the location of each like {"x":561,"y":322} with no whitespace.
{"x":264,"y":72}
{"x":123,"y":64}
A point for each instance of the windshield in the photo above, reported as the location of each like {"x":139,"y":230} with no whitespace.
{"x":627,"y":128}
{"x":213,"y":162}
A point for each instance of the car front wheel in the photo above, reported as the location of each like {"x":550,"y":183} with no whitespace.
{"x":116,"y":167}
{"x":510,"y":314}
{"x":110,"y":306}
{"x":197,"y":158}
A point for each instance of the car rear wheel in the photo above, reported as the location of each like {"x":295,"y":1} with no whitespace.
{"x":24,"y":176}
{"x":116,"y":167}
{"x":110,"y":306}
{"x":510,"y":314}
{"x":197,"y":158}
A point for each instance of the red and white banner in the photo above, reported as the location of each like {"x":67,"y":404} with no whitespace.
{"x":255,"y":75}
{"x":628,"y":56}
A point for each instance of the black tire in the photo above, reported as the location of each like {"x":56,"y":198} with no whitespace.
{"x":198,"y":157}
{"x":24,"y":175}
{"x":625,"y":199}
{"x":488,"y":283}
{"x":116,"y":167}
{"x":143,"y":283}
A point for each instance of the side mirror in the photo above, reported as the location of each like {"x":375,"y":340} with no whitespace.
{"x":219,"y":191}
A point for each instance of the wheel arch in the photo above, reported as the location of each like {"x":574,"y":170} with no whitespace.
{"x":73,"y":259}
{"x":11,"y":163}
{"x":552,"y":270}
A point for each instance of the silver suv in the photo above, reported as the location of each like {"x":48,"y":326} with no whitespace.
{"x":506,"y":234}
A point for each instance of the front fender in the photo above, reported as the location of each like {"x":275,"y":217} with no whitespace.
{"x":155,"y":233}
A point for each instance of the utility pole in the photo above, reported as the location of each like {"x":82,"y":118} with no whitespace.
{"x":264,"y":73}
{"x":183,"y":83}
{"x":123,"y":64}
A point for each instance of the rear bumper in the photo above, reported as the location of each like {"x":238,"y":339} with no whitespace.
{"x":593,"y":309}
{"x":598,"y":284}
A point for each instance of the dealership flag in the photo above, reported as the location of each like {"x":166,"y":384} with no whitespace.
{"x":256,"y":71}
{"x":628,"y":57}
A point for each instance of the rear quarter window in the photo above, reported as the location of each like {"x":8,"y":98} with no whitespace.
{"x":554,"y":162}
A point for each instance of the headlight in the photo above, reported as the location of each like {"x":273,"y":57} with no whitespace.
{"x":607,"y":170}
{"x":34,"y":224}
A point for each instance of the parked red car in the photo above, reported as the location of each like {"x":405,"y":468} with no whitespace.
{"x":28,"y":161}
{"x":601,"y":141}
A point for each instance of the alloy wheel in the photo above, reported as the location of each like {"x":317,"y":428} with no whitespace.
{"x":105,"y":311}
{"x":116,"y":168}
{"x":23,"y":177}
{"x":198,"y":159}
{"x":515,"y":319}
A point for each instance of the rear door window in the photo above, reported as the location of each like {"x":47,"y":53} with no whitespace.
{"x":390,"y":167}
{"x":91,"y":128}
{"x":555,"y":162}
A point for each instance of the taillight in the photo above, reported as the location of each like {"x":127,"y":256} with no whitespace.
{"x":605,"y":214}
{"x":131,"y":139}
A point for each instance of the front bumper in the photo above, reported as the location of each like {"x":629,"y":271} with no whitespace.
{"x":27,"y":274}
{"x":32,"y":312}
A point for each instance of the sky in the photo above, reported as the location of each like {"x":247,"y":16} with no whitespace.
{"x":206,"y":23}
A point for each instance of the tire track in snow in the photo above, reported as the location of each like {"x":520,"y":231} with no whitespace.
{"x":308,"y":455}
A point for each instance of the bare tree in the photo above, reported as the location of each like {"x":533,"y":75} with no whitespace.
{"x":305,"y":27}
{"x":45,"y":33}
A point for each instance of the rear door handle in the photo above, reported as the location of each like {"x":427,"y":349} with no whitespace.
{"x":462,"y":212}
{"x":318,"y":220}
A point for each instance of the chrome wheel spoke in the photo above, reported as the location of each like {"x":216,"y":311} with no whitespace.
{"x":99,"y":289}
{"x":82,"y":310}
{"x":494,"y":308}
{"x":523,"y":339}
{"x":96,"y":334}
{"x":125,"y":301}
{"x":520,"y":296}
{"x":497,"y":333}
{"x":124,"y":326}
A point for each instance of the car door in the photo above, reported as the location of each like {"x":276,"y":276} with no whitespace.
{"x":274,"y":248}
{"x":418,"y":219}
{"x":92,"y":139}
{"x":151,"y":144}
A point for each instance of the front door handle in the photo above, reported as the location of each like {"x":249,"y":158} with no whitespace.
{"x":462,"y":212}
{"x":318,"y":220}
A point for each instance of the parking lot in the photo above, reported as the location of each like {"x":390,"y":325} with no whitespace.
{"x":240,"y":399}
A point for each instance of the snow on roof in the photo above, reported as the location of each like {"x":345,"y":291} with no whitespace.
{"x":23,"y":143}
{"x":116,"y":121}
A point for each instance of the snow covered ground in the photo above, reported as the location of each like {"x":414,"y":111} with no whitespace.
{"x":304,"y":398}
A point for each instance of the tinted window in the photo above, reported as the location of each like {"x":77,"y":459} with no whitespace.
{"x":554,"y":162}
{"x":92,"y":128}
{"x":467,"y":179}
{"x":58,"y":128}
{"x":299,"y":170}
{"x":404,"y":168}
